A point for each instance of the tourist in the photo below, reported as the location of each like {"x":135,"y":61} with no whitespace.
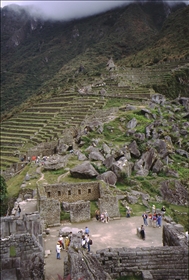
{"x":58,"y":248}
{"x":83,"y":242}
{"x":142,"y":232}
{"x":150,"y":219}
{"x":128,"y":213}
{"x":19,"y":210}
{"x":61,"y":241}
{"x":145,"y":217}
{"x":70,"y":236}
{"x":67,"y":243}
{"x":153,"y":209}
{"x":159,"y":218}
{"x":102,"y":217}
{"x":154,"y":219}
{"x":106,"y":216}
{"x":163,"y":210}
{"x":97,"y":214}
{"x":86,"y":230}
{"x":88,"y":243}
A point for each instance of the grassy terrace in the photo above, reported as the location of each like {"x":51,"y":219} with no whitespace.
{"x":44,"y":122}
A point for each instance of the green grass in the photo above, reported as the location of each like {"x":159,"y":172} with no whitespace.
{"x":12,"y":251}
{"x":64,"y":216}
{"x":13,"y":184}
{"x":134,"y":277}
{"x":93,"y":208}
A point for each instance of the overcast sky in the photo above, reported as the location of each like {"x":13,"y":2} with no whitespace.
{"x":66,"y":9}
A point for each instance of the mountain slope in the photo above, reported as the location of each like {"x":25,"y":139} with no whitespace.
{"x":33,"y":51}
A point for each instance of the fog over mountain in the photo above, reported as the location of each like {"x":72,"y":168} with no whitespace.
{"x":65,"y":10}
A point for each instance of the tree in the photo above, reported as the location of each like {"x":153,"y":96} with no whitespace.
{"x":3,"y":196}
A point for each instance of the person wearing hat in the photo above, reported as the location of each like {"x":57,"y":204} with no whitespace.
{"x":67,"y":243}
{"x":58,"y":248}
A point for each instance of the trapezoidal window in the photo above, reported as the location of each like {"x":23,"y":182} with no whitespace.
{"x":69,"y":192}
{"x":59,"y":193}
{"x":89,"y":190}
{"x":48,"y":194}
{"x":79,"y":191}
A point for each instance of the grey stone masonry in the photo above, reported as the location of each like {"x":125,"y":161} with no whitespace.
{"x":168,"y":262}
{"x":80,"y":211}
{"x":21,"y":248}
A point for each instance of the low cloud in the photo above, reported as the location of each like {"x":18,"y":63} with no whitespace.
{"x":65,"y":10}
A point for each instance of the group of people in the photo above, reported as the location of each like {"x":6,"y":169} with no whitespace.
{"x":86,"y":242}
{"x":103,"y":217}
{"x":152,"y":219}
{"x":62,"y":244}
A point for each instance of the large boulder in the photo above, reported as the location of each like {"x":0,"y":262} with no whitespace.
{"x":173,"y":191}
{"x":108,"y":177}
{"x":162,"y":147}
{"x":81,"y":156}
{"x":78,"y":264}
{"x":96,"y":156}
{"x":109,"y":161}
{"x":65,"y":142}
{"x":139,"y":136}
{"x":133,"y":148}
{"x":149,"y":158}
{"x":159,"y":99}
{"x":106,"y":149}
{"x":84,"y":171}
{"x":91,"y":149}
{"x":122,"y":166}
{"x":158,"y":166}
{"x":132,"y":123}
{"x":182,"y":153}
{"x":56,"y":162}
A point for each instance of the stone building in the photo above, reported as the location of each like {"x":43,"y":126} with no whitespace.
{"x":77,"y":196}
{"x":21,"y":245}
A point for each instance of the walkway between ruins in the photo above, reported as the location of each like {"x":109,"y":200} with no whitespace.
{"x":115,"y":234}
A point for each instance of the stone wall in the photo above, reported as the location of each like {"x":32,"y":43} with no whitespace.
{"x":21,"y":250}
{"x":160,"y":262}
{"x":110,"y":204}
{"x":80,"y":211}
{"x":73,"y":192}
{"x":173,"y":235}
{"x":30,"y":223}
{"x":155,"y":263}
{"x":50,"y":197}
{"x":48,"y":208}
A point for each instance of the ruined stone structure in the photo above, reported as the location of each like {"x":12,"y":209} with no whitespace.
{"x":109,"y":203}
{"x":77,"y":196}
{"x":151,"y":263}
{"x":21,"y":248}
{"x":80,"y":211}
{"x":73,"y":192}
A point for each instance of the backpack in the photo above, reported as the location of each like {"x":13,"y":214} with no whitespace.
{"x":90,"y":241}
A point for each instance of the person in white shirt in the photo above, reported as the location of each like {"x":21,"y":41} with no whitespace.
{"x":58,"y":248}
